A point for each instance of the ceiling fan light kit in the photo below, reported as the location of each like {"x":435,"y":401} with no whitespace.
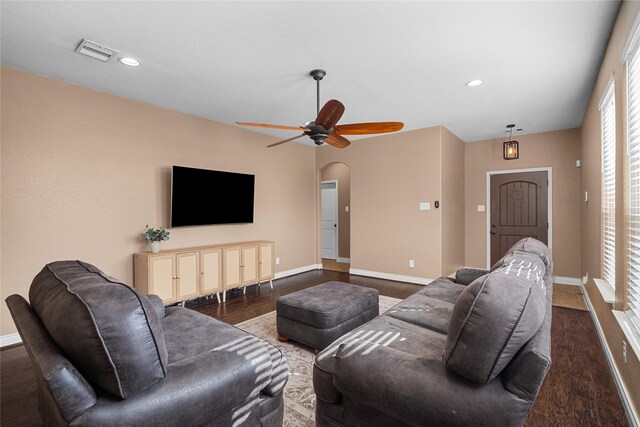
{"x":325,"y":128}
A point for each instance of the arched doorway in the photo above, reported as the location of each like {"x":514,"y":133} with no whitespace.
{"x":335,"y":222}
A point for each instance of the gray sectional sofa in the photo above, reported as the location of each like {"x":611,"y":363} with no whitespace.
{"x":106,"y":355}
{"x":470,"y":350}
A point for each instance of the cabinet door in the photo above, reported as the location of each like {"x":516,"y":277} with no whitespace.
{"x":210,"y":271}
{"x":249,"y":264}
{"x":187,"y":275}
{"x":266,"y":261}
{"x":161,"y":277}
{"x":231,"y":267}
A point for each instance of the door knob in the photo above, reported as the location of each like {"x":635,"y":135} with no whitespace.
{"x":492,"y":232}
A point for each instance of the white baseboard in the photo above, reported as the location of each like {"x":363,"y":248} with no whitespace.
{"x":390,"y":276}
{"x":293,"y":271}
{"x":561,"y":280}
{"x":346,"y":260}
{"x":10,"y":339}
{"x":632,"y":415}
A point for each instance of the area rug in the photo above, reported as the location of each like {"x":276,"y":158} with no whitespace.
{"x":569,"y":296}
{"x":299,"y":399}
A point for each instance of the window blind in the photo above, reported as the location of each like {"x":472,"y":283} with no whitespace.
{"x":608,"y":115}
{"x":633,"y":195}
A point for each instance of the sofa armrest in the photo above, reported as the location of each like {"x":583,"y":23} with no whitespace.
{"x":279,"y":373}
{"x":68,"y":394}
{"x":157,"y":304}
{"x":420,"y":391}
{"x":466,"y":276}
{"x":525,"y":376}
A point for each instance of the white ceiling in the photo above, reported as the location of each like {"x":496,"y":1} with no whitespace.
{"x":386,"y":61}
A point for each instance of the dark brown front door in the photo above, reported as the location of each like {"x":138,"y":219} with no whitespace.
{"x":518,"y":209}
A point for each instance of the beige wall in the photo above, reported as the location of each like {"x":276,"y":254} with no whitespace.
{"x":341,"y":173}
{"x":452,"y":202}
{"x":390,"y":176}
{"x":83,"y":172}
{"x":591,"y":243}
{"x":558,"y":150}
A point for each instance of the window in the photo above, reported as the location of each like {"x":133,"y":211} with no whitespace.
{"x":633,"y":195}
{"x":608,"y":114}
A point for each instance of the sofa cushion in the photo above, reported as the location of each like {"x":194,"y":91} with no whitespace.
{"x":110,"y":331}
{"x":424,"y":311}
{"x":495,"y":316}
{"x":444,"y":289}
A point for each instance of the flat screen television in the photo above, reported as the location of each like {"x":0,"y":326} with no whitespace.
{"x":206,"y":197}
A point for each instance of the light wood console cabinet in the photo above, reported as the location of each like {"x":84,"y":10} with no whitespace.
{"x":179,"y":274}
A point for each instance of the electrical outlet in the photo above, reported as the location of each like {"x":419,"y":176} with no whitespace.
{"x":624,"y":351}
{"x":277,"y":260}
{"x":412,"y":263}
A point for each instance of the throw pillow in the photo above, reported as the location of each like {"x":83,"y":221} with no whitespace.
{"x":495,"y":316}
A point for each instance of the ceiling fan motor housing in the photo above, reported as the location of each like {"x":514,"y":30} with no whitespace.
{"x":318,"y":138}
{"x":317,"y":133}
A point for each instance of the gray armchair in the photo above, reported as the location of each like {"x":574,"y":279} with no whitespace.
{"x":104,"y":354}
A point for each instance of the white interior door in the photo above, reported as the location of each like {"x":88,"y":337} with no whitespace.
{"x":329,"y":220}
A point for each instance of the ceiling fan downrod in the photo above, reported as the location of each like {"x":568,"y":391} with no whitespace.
{"x":317,"y":76}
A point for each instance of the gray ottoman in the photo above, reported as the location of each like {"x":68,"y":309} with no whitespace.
{"x":319,"y":315}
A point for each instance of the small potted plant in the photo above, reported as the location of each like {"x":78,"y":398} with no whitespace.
{"x":155,"y":236}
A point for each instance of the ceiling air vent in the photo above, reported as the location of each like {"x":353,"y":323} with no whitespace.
{"x":95,"y":50}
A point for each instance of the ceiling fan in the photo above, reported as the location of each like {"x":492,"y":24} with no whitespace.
{"x":325,"y":128}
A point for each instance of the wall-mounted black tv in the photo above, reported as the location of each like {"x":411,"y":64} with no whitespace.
{"x":206,"y":197}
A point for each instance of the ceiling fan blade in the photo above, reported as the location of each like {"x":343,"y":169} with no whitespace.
{"x":337,"y":141}
{"x":266,"y":125}
{"x":330,"y":114}
{"x":286,"y":140}
{"x":367,"y":128}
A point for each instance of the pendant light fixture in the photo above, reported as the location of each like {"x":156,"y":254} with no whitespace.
{"x":510,"y":148}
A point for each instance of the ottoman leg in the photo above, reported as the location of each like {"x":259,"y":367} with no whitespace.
{"x":282,"y":338}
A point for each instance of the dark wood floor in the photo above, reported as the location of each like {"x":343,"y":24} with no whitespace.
{"x":578,"y":390}
{"x":261,"y":300}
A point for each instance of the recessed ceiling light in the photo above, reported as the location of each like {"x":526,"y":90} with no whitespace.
{"x":473,"y":83}
{"x":131,"y":62}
